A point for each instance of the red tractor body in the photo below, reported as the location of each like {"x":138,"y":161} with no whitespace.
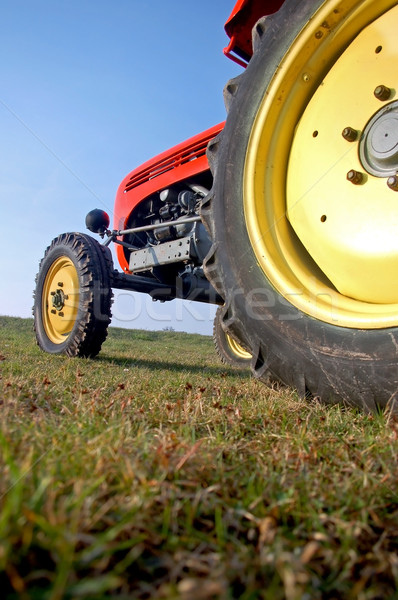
{"x":186,"y":161}
{"x":239,"y":27}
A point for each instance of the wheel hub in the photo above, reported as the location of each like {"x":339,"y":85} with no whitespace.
{"x":378,"y":149}
{"x":58,"y":299}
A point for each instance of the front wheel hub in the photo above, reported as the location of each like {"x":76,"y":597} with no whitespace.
{"x":58,"y":299}
{"x":378,"y":149}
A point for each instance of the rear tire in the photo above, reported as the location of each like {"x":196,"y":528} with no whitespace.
{"x":73,"y":296}
{"x":228,"y":349}
{"x":300,"y":329}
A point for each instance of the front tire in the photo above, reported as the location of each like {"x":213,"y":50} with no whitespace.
{"x":318,"y":310}
{"x":73,"y":296}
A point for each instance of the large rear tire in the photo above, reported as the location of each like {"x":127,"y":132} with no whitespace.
{"x":303,"y":211}
{"x":228,"y":349}
{"x":73,"y":296}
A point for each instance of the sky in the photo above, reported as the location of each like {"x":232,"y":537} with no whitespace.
{"x":90,"y":89}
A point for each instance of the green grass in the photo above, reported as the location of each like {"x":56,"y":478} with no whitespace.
{"x":155,"y":472}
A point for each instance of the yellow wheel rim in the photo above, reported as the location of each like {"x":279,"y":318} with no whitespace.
{"x":326,"y":240}
{"x":60,"y":300}
{"x":237,"y":349}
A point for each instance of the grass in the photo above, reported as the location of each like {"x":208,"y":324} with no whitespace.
{"x":155,"y":472}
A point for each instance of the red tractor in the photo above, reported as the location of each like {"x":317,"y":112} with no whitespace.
{"x":286,"y":215}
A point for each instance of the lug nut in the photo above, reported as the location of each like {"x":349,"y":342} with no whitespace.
{"x":382,"y":92}
{"x":60,"y":284}
{"x":355,"y":177}
{"x":349,"y":134}
{"x":392,"y":183}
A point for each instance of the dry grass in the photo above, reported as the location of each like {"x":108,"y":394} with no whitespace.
{"x":155,"y":472}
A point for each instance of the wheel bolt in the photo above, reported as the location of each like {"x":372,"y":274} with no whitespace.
{"x":392,"y":183}
{"x":382,"y":92}
{"x":60,"y":284}
{"x":355,"y":177}
{"x":349,"y":134}
{"x":53,"y":311}
{"x":60,"y":314}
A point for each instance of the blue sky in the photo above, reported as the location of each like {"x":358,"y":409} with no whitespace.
{"x":90,"y":90}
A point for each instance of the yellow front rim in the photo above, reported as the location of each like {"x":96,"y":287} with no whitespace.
{"x":326,"y":243}
{"x":237,"y":349}
{"x":60,"y":300}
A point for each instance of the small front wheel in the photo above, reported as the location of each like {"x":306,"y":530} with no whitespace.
{"x":228,"y":349}
{"x":73,"y":296}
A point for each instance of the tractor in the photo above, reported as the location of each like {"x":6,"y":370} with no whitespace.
{"x":285,"y":216}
